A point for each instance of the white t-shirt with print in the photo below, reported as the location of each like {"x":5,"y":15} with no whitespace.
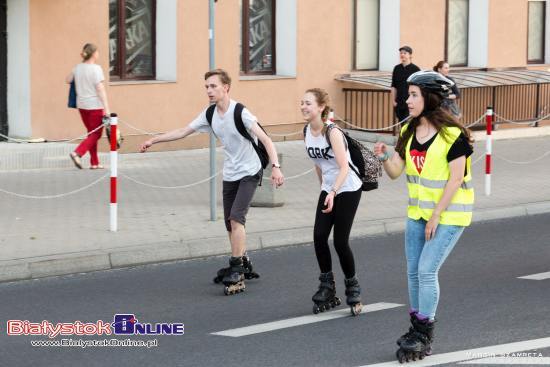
{"x":321,"y":154}
{"x":86,"y":79}
{"x":240,"y":158}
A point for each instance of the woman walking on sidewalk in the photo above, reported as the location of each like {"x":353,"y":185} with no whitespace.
{"x":338,"y":200}
{"x":450,"y":103}
{"x":434,"y":150}
{"x":91,"y":102}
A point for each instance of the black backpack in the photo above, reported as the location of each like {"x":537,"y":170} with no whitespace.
{"x":239,"y":124}
{"x":369,"y":167}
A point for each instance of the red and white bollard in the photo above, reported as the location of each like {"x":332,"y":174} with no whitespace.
{"x":114,"y":160}
{"x":488,"y":150}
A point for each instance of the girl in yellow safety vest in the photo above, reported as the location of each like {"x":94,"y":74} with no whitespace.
{"x":434,"y":150}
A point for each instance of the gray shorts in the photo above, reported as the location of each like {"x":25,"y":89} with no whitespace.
{"x":237,"y":196}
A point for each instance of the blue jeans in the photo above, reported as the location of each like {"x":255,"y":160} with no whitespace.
{"x":424,"y":259}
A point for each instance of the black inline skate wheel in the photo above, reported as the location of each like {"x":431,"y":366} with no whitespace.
{"x":315,"y":309}
{"x":338,"y":302}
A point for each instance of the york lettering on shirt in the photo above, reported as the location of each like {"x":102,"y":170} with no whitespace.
{"x":316,"y":152}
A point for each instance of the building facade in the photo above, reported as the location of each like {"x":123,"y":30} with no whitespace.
{"x":154,"y":53}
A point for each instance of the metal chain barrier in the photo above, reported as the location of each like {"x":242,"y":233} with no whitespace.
{"x":381,"y":129}
{"x":293,"y":177}
{"x":481,"y":118}
{"x":138,"y":129}
{"x":523,"y":162}
{"x":478,"y":159}
{"x":53,"y":141}
{"x":168,"y":187}
{"x":55,"y":196}
{"x":288,"y":134}
{"x":523,"y":123}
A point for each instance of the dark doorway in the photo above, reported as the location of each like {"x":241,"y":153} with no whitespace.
{"x":3,"y":70}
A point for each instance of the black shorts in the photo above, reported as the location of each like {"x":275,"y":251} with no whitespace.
{"x":237,"y":196}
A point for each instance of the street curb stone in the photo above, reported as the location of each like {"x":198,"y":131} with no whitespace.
{"x":173,"y":251}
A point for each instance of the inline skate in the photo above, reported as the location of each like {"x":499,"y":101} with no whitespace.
{"x":419,"y":344}
{"x":353,"y":295}
{"x":325,"y":298}
{"x":248,"y":271}
{"x":411,"y":329}
{"x":234,"y":279}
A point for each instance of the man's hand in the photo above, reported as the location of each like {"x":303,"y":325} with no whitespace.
{"x":145,"y":145}
{"x":277,"y":178}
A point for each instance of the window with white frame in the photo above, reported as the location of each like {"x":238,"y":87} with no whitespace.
{"x":536,"y":31}
{"x":367,"y":15}
{"x":456,"y":43}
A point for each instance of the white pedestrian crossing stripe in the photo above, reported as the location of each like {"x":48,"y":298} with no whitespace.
{"x":539,"y":276}
{"x":302,"y":320}
{"x":507,"y":351}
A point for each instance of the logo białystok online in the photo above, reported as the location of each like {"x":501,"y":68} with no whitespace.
{"x":127,"y":324}
{"x":123,"y":324}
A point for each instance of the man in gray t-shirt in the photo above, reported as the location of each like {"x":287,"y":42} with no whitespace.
{"x":241,"y":169}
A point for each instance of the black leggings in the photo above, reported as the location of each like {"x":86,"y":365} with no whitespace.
{"x":341,"y":217}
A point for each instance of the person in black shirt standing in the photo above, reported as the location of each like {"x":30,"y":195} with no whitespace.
{"x":399,"y":86}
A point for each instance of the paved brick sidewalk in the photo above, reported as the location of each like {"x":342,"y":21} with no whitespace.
{"x":41,"y":237}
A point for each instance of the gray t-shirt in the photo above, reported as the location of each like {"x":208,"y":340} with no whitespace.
{"x":240,"y":157}
{"x":86,"y":79}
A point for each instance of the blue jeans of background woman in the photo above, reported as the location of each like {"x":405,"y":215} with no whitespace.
{"x":424,"y":259}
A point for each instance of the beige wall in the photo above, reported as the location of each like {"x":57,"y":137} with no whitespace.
{"x":423,"y":28}
{"x":323,"y":50}
{"x":59,"y":28}
{"x":507,"y":33}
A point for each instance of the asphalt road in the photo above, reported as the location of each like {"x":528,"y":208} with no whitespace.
{"x":483,"y":303}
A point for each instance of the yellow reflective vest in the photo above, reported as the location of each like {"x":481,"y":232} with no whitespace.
{"x":426,"y":189}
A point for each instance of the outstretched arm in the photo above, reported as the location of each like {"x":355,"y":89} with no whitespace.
{"x":169,"y":136}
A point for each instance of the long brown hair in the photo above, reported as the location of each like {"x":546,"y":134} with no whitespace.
{"x":437,"y":116}
{"x":322,"y":98}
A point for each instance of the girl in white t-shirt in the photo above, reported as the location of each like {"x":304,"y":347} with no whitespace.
{"x":338,"y":201}
{"x":91,"y":101}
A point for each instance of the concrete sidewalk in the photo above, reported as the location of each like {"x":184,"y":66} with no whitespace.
{"x":69,"y":234}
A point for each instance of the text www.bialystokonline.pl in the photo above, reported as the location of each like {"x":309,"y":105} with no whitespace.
{"x":95,"y":343}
